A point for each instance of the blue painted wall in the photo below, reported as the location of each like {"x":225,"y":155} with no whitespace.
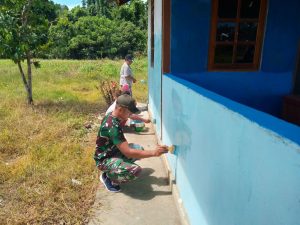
{"x":233,"y":164}
{"x":189,"y":52}
{"x":282,"y":36}
{"x":154,"y":73}
{"x":190,"y":25}
{"x":261,"y":90}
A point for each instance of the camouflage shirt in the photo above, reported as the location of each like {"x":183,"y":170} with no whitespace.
{"x":110,"y":134}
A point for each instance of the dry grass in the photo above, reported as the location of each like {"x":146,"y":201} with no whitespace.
{"x":44,"y":147}
{"x":40,"y":155}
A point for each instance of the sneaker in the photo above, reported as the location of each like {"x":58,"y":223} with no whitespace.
{"x":108,"y":184}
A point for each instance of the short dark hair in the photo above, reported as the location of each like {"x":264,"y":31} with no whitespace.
{"x":128,"y":57}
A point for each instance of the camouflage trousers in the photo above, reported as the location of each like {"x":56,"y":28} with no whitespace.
{"x":120,"y":169}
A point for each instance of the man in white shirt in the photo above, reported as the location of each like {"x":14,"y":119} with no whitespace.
{"x":126,"y":75}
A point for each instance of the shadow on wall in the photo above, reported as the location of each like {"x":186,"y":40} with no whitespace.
{"x":261,"y":91}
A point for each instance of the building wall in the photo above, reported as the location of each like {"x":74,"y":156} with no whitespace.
{"x":282,"y":36}
{"x":190,"y":28}
{"x":154,"y":73}
{"x":262,"y":91}
{"x":232,"y":164}
{"x":190,"y":33}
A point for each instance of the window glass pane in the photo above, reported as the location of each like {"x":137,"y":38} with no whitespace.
{"x":225,"y":31}
{"x":250,"y":8}
{"x":227,"y":8}
{"x":247,"y":31}
{"x":245,"y":53}
{"x":223,"y":54}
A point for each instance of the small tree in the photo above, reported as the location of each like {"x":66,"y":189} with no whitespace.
{"x":23,"y":30}
{"x":108,"y":89}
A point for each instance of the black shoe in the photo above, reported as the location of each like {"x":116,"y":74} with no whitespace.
{"x":108,"y":184}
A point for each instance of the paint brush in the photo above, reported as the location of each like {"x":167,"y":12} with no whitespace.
{"x":171,"y":149}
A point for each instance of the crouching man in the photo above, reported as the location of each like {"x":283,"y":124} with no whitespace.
{"x":113,"y":155}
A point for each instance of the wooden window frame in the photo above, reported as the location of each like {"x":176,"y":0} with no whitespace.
{"x":212,"y":66}
{"x":152,"y":33}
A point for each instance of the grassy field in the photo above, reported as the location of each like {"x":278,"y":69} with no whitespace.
{"x":47,"y":171}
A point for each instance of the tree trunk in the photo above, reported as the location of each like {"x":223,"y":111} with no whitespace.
{"x":29,"y":74}
{"x":27,"y":83}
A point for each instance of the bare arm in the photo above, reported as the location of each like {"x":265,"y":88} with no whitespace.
{"x":138,"y":154}
{"x":130,"y":78}
{"x":128,"y":74}
{"x":137,"y":117}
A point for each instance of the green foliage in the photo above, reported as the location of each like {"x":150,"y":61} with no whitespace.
{"x":99,"y":37}
{"x":126,"y":34}
{"x":59,"y":37}
{"x":77,"y":12}
{"x":23,"y":31}
{"x":99,"y":29}
{"x":24,"y":27}
{"x":135,"y":12}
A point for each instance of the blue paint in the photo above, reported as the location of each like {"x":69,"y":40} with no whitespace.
{"x":263,"y":89}
{"x":283,"y":128}
{"x":154,"y":73}
{"x":282,"y":36}
{"x":190,"y":24}
{"x":235,"y":165}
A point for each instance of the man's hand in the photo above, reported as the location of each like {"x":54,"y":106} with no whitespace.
{"x":138,"y":154}
{"x":146,"y":120}
{"x":160,"y":149}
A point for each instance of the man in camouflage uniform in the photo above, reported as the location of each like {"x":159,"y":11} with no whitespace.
{"x":114,"y":156}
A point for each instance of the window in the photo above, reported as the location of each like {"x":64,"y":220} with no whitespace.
{"x":152,"y":33}
{"x":237,"y":29}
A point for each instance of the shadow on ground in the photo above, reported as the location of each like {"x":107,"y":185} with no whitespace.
{"x":142,"y":187}
{"x":130,"y":130}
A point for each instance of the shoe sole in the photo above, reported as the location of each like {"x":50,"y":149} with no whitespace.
{"x":102,"y":181}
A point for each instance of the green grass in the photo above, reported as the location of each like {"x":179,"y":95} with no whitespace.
{"x":43,"y":147}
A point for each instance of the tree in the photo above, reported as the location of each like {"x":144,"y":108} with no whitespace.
{"x":99,"y":37}
{"x":135,"y":11}
{"x":60,"y":35}
{"x":76,"y":13}
{"x":23,"y":30}
{"x":128,"y":38}
{"x":83,"y":2}
{"x":91,"y":38}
